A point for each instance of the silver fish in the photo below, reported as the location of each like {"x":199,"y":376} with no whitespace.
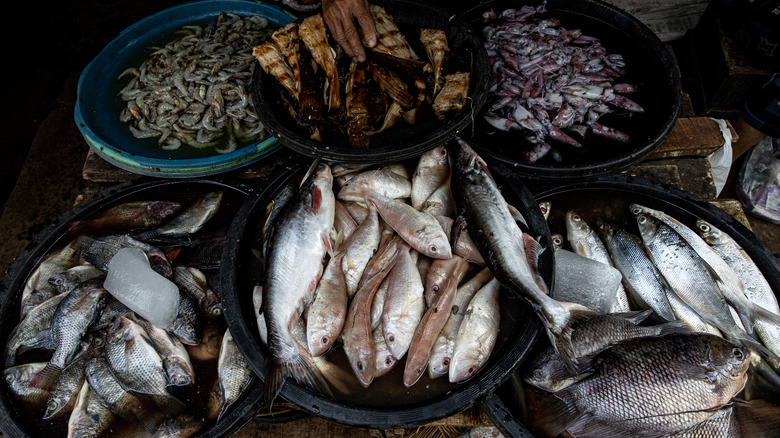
{"x":383,"y":358}
{"x":32,"y":331}
{"x":75,"y":314}
{"x":639,"y":273}
{"x":133,"y":359}
{"x":233,"y":371}
{"x":293,"y":268}
{"x":90,"y":417}
{"x":66,"y":280}
{"x":465,"y":246}
{"x":125,"y":217}
{"x":505,"y":247}
{"x":175,"y":359}
{"x":757,"y":289}
{"x":557,"y":241}
{"x":433,"y":170}
{"x":18,"y":378}
{"x":343,"y":226}
{"x":378,"y":305}
{"x":440,"y":202}
{"x":325,"y":315}
{"x":359,"y":249}
{"x":404,"y":304}
{"x":381,"y":181}
{"x":188,"y":323}
{"x":190,"y":220}
{"x":441,"y":353}
{"x":632,"y":384}
{"x":193,"y":282}
{"x":38,"y":281}
{"x":477,"y":334}
{"x":545,"y":207}
{"x":585,"y":242}
{"x":100,"y":251}
{"x":64,"y":391}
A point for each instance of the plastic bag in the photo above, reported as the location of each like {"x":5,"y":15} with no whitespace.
{"x":758,"y":183}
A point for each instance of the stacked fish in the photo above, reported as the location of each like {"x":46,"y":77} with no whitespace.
{"x":195,"y":89}
{"x":325,"y":90}
{"x":551,"y":82}
{"x":83,"y":356}
{"x":716,"y":330}
{"x":359,"y":259}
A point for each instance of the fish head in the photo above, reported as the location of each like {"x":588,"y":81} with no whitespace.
{"x":544,"y":208}
{"x":163,"y":209}
{"x":187,"y":325}
{"x":729,"y":359}
{"x":182,"y":426}
{"x":465,"y":365}
{"x":548,"y":372}
{"x":440,"y":367}
{"x":118,"y":330}
{"x":709,"y":233}
{"x":53,"y":406}
{"x":465,"y":159}
{"x":363,"y":367}
{"x":648,"y":226}
{"x":435,"y":157}
{"x":606,"y":229}
{"x":384,"y":364}
{"x":576,"y":225}
{"x":319,"y":340}
{"x":412,"y":372}
{"x":178,"y":375}
{"x":557,"y":241}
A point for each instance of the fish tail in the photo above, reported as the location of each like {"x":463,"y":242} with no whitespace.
{"x":302,"y":368}
{"x":560,"y":333}
{"x":673,"y":327}
{"x":46,"y":377}
{"x":757,"y":418}
{"x":555,"y":413}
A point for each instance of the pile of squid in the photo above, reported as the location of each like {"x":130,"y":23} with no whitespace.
{"x":334,"y":96}
{"x":692,"y":319}
{"x":86,"y":363}
{"x":195,"y":89}
{"x":366,"y":265}
{"x":551,"y":83}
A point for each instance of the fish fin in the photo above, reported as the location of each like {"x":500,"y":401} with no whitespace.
{"x":635,"y":317}
{"x":309,"y":171}
{"x":765,"y":371}
{"x":517,"y":216}
{"x":562,"y":342}
{"x":534,"y":250}
{"x":556,"y":412}
{"x":302,"y":368}
{"x":758,"y":419}
{"x":46,"y":377}
{"x":673,"y":327}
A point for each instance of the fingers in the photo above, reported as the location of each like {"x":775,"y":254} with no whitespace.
{"x":366,"y":22}
{"x":353,"y":40}
{"x":340,"y":16}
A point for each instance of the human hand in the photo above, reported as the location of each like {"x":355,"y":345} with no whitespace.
{"x":340,"y":17}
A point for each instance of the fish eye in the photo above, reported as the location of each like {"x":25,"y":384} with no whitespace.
{"x":636,"y":210}
{"x":325,"y":340}
{"x":445,"y":362}
{"x":190,"y":328}
{"x":704,"y":227}
{"x":557,"y":241}
{"x":472,"y":370}
{"x":538,"y":375}
{"x":642,"y":219}
{"x":389,"y":360}
{"x":435,"y":288}
{"x":738,"y":354}
{"x":360,"y":366}
{"x":216,"y":311}
{"x":9,"y":378}
{"x":433,"y":249}
{"x":97,"y":342}
{"x":576,"y":218}
{"x":390,"y":338}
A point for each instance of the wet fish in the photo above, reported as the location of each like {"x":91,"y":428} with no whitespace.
{"x":403,"y":305}
{"x":188,"y":325}
{"x":378,"y":305}
{"x":632,"y":383}
{"x":722,"y":424}
{"x":383,"y":358}
{"x":357,"y":337}
{"x":505,"y":247}
{"x":99,"y":252}
{"x":545,"y":207}
{"x":557,"y":241}
{"x":433,"y":170}
{"x":37,"y":287}
{"x":65,"y":390}
{"x":441,"y":203}
{"x":133,"y":359}
{"x":90,"y":417}
{"x":74,"y":316}
{"x":381,"y":181}
{"x":359,"y":249}
{"x":464,"y":246}
{"x":639,"y":273}
{"x":757,"y":289}
{"x":190,"y":220}
{"x":546,"y":371}
{"x":175,"y":359}
{"x":585,"y":242}
{"x":208,"y":348}
{"x":430,"y":326}
{"x":293,"y":268}
{"x":32,"y":331}
{"x":477,"y":334}
{"x":125,"y":217}
{"x":18,"y":379}
{"x":193,"y":282}
{"x":326,"y":313}
{"x":419,"y":229}
{"x":441,"y":353}
{"x":233,"y":371}
{"x":66,"y":280}
{"x":343,"y":226}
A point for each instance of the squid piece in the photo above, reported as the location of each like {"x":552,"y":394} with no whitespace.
{"x":270,"y":59}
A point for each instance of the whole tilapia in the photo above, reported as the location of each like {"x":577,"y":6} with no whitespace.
{"x":639,"y":273}
{"x":175,"y":359}
{"x":505,"y":248}
{"x":649,"y":387}
{"x":477,"y":334}
{"x":18,"y":378}
{"x":292,"y":271}
{"x":33,"y":330}
{"x":133,"y":359}
{"x":757,"y":289}
{"x":586,"y":243}
{"x":90,"y":417}
{"x":100,"y":251}
{"x":233,"y":371}
{"x":75,"y":314}
{"x":37,"y":288}
{"x":190,"y":220}
{"x":125,"y":217}
{"x":193,"y":282}
{"x":64,"y":391}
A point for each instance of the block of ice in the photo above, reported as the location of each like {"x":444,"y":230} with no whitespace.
{"x":584,"y":281}
{"x":134,"y":283}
